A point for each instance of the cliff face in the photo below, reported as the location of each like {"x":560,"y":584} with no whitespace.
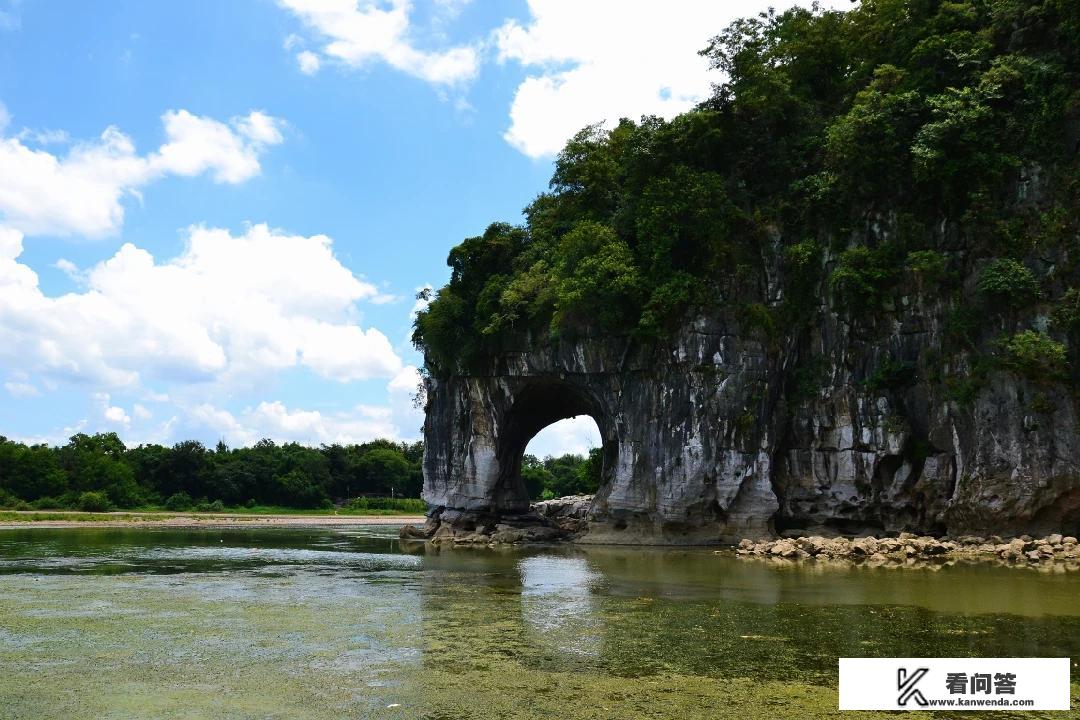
{"x":720,"y":431}
{"x":841,"y":293}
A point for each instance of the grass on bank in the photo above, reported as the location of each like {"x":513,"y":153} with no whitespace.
{"x":358,"y":507}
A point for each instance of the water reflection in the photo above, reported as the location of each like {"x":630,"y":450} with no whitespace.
{"x":321,"y":623}
{"x":557,"y":604}
{"x":968,"y":588}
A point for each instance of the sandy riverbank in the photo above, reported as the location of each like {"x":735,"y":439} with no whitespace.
{"x":53,"y":519}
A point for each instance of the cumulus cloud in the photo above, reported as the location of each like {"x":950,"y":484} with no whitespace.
{"x":601,"y":60}
{"x":360,"y":32}
{"x":70,"y":269}
{"x":397,"y":419}
{"x":43,"y":137}
{"x":575,"y":435}
{"x":308,"y":61}
{"x":113,"y":414}
{"x":81,"y":192}
{"x":229,"y":308}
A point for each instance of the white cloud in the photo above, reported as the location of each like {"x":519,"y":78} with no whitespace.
{"x":81,"y":192}
{"x":43,"y":137}
{"x":602,"y":60}
{"x":70,"y":269}
{"x":5,"y":117}
{"x":112,"y":414}
{"x":117,"y":415}
{"x":359,"y":32}
{"x":398,"y":419}
{"x":423,"y":295}
{"x":260,"y":129}
{"x":21,"y":389}
{"x":198,"y":144}
{"x":406,"y":381}
{"x":141,"y":412}
{"x":229,"y":309}
{"x":575,"y":435}
{"x":56,"y":438}
{"x":308,"y":61}
{"x":311,"y":427}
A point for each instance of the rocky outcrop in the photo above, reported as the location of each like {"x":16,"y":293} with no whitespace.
{"x":569,"y":506}
{"x":854,"y":422}
{"x":549,"y":520}
{"x":681,"y":463}
{"x":528,"y":528}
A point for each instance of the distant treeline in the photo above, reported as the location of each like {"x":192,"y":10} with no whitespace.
{"x":94,"y":472}
{"x":98,"y":472}
{"x":555,"y":477}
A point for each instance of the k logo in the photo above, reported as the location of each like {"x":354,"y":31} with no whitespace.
{"x":905,"y":684}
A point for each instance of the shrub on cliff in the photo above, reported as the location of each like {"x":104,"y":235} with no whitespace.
{"x":1035,"y":355}
{"x":1008,"y":282}
{"x":1067,"y":313}
{"x":863,"y":275}
{"x":929,"y":265}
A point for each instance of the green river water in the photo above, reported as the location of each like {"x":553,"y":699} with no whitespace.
{"x":322,"y":623}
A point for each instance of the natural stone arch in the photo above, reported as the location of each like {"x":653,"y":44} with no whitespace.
{"x":680,"y":463}
{"x":477,"y":430}
{"x":537,"y":404}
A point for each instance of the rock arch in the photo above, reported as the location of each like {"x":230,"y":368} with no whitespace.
{"x":538,"y":403}
{"x":472,"y":467}
{"x":681,"y":465}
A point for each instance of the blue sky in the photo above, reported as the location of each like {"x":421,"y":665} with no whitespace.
{"x":214,"y":216}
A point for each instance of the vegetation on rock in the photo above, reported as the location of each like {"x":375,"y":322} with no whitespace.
{"x":902,"y":139}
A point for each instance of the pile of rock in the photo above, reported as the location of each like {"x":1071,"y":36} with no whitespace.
{"x":530,"y":527}
{"x":909,"y":547}
{"x":497,"y":534}
{"x":546,"y":521}
{"x":570,"y":513}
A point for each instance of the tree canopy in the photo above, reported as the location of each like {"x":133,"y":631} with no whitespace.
{"x":904,"y":112}
{"x":188,"y":473}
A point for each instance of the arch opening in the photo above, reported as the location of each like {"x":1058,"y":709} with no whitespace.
{"x":564,"y":458}
{"x":537,"y":407}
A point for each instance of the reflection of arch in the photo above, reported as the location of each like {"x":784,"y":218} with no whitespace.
{"x":558,"y":604}
{"x":535,"y":406}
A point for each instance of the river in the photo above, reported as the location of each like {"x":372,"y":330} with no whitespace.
{"x":324,"y":623}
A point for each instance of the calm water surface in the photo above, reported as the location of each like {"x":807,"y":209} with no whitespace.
{"x":319,"y":623}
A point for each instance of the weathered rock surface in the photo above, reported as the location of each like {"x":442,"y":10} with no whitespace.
{"x":721,"y":431}
{"x":570,"y":513}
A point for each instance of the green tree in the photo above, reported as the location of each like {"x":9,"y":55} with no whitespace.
{"x":384,"y":471}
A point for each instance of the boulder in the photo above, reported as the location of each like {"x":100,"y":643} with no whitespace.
{"x":411,"y":532}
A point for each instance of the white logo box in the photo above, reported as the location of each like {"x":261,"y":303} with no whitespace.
{"x":954,"y":684}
